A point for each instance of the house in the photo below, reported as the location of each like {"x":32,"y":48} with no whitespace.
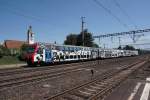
{"x":13,"y":45}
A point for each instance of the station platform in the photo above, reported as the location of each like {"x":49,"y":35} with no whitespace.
{"x":131,"y":89}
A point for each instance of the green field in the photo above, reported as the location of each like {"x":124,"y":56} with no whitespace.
{"x":6,"y":60}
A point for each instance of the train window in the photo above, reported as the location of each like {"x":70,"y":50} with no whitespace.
{"x":57,"y":48}
{"x":65,"y":49}
{"x":72,"y":49}
{"x":75,"y":57}
{"x":67,"y":57}
{"x":79,"y":56}
{"x":68,"y":49}
{"x":88,"y":56}
{"x":84,"y":56}
{"x":71,"y":56}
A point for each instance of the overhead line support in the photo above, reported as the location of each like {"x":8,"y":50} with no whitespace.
{"x":123,"y":33}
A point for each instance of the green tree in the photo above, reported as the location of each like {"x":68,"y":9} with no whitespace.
{"x":76,"y":39}
{"x":88,"y":39}
{"x":127,"y":47}
{"x":1,"y":51}
{"x":95,"y":45}
{"x":4,"y":51}
{"x":71,"y":39}
{"x":120,"y":47}
{"x":23,"y":52}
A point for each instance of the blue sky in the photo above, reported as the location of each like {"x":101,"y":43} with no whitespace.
{"x":52,"y":20}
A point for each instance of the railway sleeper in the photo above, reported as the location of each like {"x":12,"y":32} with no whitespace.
{"x":81,"y":94}
{"x":95,"y":87}
{"x":90,"y":89}
{"x":72,"y":97}
{"x":99,"y":85}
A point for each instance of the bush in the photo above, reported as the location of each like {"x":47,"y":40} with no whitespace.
{"x":9,"y":60}
{"x":4,"y":51}
{"x":1,"y":55}
{"x":21,"y":58}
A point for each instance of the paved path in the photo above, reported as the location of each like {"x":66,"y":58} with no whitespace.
{"x":12,"y":66}
{"x":132,"y":89}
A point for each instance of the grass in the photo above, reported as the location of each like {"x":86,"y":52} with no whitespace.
{"x":7,"y":60}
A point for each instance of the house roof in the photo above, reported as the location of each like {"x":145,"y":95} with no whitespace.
{"x":13,"y":44}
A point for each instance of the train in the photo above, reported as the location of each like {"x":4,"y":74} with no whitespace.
{"x":48,"y":53}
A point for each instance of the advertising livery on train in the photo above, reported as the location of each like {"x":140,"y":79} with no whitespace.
{"x":44,"y":53}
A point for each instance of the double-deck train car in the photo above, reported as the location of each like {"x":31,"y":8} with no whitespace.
{"x":45,"y":53}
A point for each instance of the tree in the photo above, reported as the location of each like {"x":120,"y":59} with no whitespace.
{"x":95,"y":45}
{"x":142,"y":51}
{"x":1,"y":51}
{"x":76,"y":39}
{"x":127,"y":47}
{"x":71,"y":39}
{"x":88,"y":39}
{"x":23,"y":52}
{"x":4,"y":51}
{"x":120,"y":47}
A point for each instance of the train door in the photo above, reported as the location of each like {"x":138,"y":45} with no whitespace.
{"x":48,"y":56}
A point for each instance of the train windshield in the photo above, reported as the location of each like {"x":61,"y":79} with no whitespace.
{"x":28,"y":48}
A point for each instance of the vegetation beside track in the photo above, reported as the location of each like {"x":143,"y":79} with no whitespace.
{"x":7,"y":60}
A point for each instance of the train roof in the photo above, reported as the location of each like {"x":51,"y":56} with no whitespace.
{"x":53,"y":45}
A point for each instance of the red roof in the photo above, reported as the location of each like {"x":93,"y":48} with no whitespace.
{"x":13,"y":44}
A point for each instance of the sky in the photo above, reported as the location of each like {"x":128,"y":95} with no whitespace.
{"x":53,"y":20}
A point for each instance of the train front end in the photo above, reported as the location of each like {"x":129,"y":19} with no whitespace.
{"x":38,"y":54}
{"x":30,"y":53}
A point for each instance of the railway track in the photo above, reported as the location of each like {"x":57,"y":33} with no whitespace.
{"x":142,"y":73}
{"x":38,"y":76}
{"x":29,"y":86}
{"x":99,"y":87}
{"x":34,"y":72}
{"x":11,"y":71}
{"x":42,"y":73}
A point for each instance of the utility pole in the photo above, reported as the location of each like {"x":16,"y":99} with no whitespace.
{"x":119,"y":41}
{"x":99,"y":42}
{"x":82,"y":28}
{"x":104,"y":45}
{"x":134,"y":37}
